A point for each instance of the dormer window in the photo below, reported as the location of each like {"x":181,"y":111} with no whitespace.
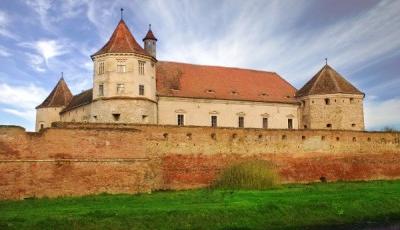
{"x":264,"y":94}
{"x":210,"y":91}
{"x":234,"y":92}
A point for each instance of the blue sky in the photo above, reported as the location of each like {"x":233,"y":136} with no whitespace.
{"x":39,"y":39}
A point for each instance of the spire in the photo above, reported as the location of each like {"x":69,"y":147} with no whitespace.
{"x":327,"y":81}
{"x":150,"y":35}
{"x":59,"y":96}
{"x":122,"y":13}
{"x":121,"y":41}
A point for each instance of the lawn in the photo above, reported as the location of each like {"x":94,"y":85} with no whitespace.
{"x":314,"y":206}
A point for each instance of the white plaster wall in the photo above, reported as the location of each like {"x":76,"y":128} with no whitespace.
{"x":199,"y":111}
{"x":46,"y":116}
{"x":80,"y":114}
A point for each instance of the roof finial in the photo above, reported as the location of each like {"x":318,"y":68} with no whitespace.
{"x":122,"y":13}
{"x":326,"y":61}
{"x":149,"y":26}
{"x":62,"y":75}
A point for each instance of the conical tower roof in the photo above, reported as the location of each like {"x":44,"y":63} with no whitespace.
{"x":59,"y":96}
{"x":327,"y":81}
{"x":121,"y":41}
{"x":150,"y":35}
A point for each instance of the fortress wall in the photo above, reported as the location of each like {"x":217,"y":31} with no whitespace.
{"x":79,"y":159}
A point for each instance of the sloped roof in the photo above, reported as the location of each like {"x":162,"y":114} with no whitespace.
{"x":121,"y":41}
{"x":84,"y":98}
{"x":327,"y":81}
{"x":150,"y":35}
{"x":215,"y":82}
{"x":59,"y":96}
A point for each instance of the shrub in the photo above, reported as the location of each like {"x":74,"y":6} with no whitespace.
{"x":254,"y":174}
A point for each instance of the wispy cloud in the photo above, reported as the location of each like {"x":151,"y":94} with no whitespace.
{"x":21,"y":100}
{"x":4,"y":52}
{"x":4,"y":23}
{"x":379,"y":114}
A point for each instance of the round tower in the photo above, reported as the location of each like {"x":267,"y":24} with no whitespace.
{"x":150,"y":43}
{"x":124,"y":84}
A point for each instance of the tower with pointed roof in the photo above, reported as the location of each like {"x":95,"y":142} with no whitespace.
{"x":150,"y":43}
{"x":49,"y":110}
{"x":329,"y":101}
{"x":124,"y":81}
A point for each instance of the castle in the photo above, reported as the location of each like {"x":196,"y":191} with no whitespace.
{"x":131,"y":86}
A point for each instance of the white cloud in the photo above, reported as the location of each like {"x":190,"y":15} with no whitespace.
{"x":45,"y":51}
{"x":4,"y":23}
{"x":379,"y":114}
{"x":21,"y":100}
{"x":4,"y":52}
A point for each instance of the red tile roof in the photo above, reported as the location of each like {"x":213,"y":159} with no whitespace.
{"x":121,"y":41}
{"x":59,"y":96}
{"x":214,"y":82}
{"x":150,"y":35}
{"x":327,"y":81}
{"x":81,"y":99}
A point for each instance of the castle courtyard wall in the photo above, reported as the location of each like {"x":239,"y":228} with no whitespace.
{"x":85,"y":158}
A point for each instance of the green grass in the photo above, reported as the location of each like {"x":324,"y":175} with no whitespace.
{"x":289,"y":207}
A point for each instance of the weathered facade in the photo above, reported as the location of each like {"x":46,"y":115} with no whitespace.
{"x":131,"y":86}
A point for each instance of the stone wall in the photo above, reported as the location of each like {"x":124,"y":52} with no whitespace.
{"x":79,"y":159}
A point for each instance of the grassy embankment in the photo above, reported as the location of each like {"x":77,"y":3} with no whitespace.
{"x":288,"y":207}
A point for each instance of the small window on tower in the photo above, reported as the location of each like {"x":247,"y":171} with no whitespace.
{"x":327,"y":101}
{"x":101,"y":90}
{"x":329,"y":126}
{"x":101,"y":68}
{"x":214,"y":121}
{"x":181,"y":119}
{"x":265,"y":122}
{"x":351,"y":100}
{"x":116,"y":116}
{"x":120,"y":88}
{"x":290,"y":123}
{"x":141,"y":90}
{"x":141,"y":67}
{"x":121,"y":68}
{"x":241,"y":122}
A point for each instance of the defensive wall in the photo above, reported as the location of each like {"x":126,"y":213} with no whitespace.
{"x":81,"y":158}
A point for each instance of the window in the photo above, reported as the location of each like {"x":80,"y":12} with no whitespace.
{"x":145,"y":118}
{"x":329,"y":126}
{"x":351,"y":100}
{"x":353,"y":125}
{"x":121,"y":68}
{"x":241,"y":122}
{"x":141,"y":67}
{"x":101,"y":90}
{"x":141,"y":90}
{"x":41,"y":126}
{"x":214,"y":121}
{"x":290,"y":123}
{"x":120,"y":88}
{"x":327,"y":101}
{"x":305,"y":127}
{"x":101,"y":68}
{"x":265,"y":122}
{"x":181,"y":119}
{"x":116,"y":116}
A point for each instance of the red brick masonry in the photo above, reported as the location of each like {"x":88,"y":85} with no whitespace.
{"x":80,"y":159}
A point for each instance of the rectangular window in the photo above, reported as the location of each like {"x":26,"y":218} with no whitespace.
{"x":101,"y":90}
{"x":141,"y":90}
{"x":101,"y":68}
{"x":121,"y":68}
{"x":241,"y":122}
{"x":141,"y":67}
{"x":214,"y":121}
{"x":120,"y":88}
{"x":265,"y":123}
{"x":290,"y":123}
{"x":181,"y":119}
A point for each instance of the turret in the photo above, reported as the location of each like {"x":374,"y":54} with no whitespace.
{"x":329,"y":101}
{"x":49,"y":111}
{"x":124,"y":81}
{"x":150,"y":43}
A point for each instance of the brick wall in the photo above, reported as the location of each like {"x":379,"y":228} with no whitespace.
{"x":79,"y":159}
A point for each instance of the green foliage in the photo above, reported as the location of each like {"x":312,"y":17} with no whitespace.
{"x":316,"y":206}
{"x":254,"y":174}
{"x":390,"y":129}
